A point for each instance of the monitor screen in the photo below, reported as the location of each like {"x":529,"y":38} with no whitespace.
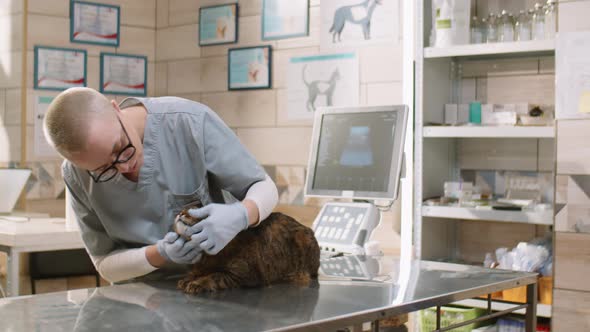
{"x":356,"y":152}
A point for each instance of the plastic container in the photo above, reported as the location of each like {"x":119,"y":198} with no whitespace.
{"x":517,"y":294}
{"x":506,"y":27}
{"x":492,"y":29}
{"x":451,"y":22}
{"x":449,"y":316}
{"x":538,"y":32}
{"x":475,"y":112}
{"x":523,"y":28}
{"x":550,"y":19}
{"x":546,"y":290}
{"x":477,"y":31}
{"x":495,"y":296}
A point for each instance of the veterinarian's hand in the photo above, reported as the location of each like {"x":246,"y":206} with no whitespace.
{"x":220,"y":224}
{"x":176,"y":249}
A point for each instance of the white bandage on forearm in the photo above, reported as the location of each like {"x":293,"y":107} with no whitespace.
{"x":265,"y":195}
{"x":123,"y":264}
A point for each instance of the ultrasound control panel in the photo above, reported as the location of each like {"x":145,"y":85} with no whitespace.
{"x":350,"y":266}
{"x":345,"y":227}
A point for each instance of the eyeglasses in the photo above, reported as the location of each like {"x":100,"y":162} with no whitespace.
{"x":124,"y":156}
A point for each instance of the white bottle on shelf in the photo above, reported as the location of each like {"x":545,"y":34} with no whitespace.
{"x":477,"y":36}
{"x":523,"y":27}
{"x":538,"y":22}
{"x":550,"y":19}
{"x":483,"y":25}
{"x":492,"y":29}
{"x":506,"y":27}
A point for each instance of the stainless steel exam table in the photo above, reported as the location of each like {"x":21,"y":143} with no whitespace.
{"x":379,"y":288}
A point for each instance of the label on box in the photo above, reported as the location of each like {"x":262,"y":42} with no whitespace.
{"x":463,"y":114}
{"x":504,"y":107}
{"x":499,"y":118}
{"x":451,"y":114}
{"x":521,"y":108}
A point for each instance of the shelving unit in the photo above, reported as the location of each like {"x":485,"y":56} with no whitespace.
{"x":489,"y":131}
{"x":514,"y":72}
{"x":543,"y":310}
{"x":538,"y":218}
{"x":533,"y":47}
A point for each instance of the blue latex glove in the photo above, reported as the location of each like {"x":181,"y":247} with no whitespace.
{"x":176,"y":249}
{"x":220,"y":224}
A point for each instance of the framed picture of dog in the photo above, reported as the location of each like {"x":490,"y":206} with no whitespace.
{"x":284,"y":19}
{"x":218,"y":25}
{"x":352,"y":23}
{"x":249,"y":68}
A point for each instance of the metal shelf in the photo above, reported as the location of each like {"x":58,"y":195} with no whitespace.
{"x":543,"y":310}
{"x":489,"y":131}
{"x":473,"y":50}
{"x":438,"y":80}
{"x":449,"y":212}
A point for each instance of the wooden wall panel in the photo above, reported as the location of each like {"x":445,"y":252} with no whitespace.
{"x":572,"y":261}
{"x":573,"y":150}
{"x":501,"y":154}
{"x":571,"y":311}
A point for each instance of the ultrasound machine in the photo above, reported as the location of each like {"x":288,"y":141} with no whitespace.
{"x":356,"y":155}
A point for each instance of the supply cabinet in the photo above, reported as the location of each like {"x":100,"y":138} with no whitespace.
{"x":503,"y":73}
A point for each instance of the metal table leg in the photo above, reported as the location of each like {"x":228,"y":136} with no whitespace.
{"x":12,"y":273}
{"x":6,"y":250}
{"x":531,"y":310}
{"x":375,"y":326}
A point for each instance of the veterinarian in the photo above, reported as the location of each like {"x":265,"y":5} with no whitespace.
{"x":131,"y":167}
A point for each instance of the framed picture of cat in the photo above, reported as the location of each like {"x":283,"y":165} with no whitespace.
{"x":218,"y":25}
{"x":321,"y":80}
{"x":284,"y":19}
{"x":249,"y":68}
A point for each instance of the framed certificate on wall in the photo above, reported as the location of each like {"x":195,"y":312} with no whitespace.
{"x":123,"y":74}
{"x":285,"y":19}
{"x":94,"y":23}
{"x":59,"y":68}
{"x":218,"y":25}
{"x":249,"y":68}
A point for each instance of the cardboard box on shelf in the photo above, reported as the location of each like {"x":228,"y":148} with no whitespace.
{"x":497,"y":118}
{"x":451,"y":114}
{"x":463,"y":113}
{"x":504,"y":107}
{"x":522,"y":108}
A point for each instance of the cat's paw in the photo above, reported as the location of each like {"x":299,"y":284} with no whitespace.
{"x":196,"y":287}
{"x":182,"y":284}
{"x":209,"y":283}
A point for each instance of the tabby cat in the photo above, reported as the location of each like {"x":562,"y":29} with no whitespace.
{"x":280,"y":249}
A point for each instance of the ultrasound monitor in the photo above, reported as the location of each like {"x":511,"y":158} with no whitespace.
{"x":356,"y":152}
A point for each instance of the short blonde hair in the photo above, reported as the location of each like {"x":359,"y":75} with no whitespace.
{"x":68,"y":118}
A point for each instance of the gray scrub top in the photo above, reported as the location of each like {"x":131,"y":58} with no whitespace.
{"x":189,"y":155}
